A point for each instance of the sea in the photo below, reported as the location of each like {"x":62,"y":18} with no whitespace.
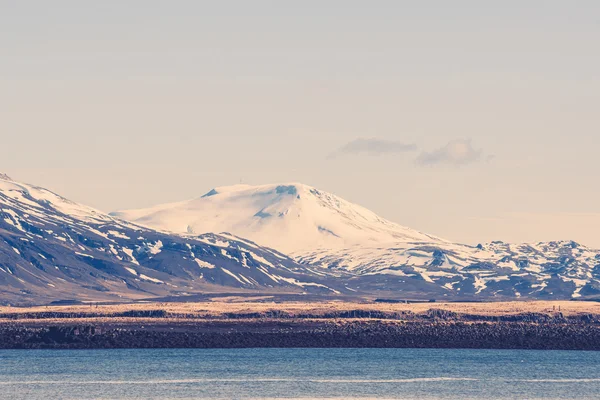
{"x":299,"y":374}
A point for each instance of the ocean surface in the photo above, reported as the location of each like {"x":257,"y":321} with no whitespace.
{"x":299,"y":373}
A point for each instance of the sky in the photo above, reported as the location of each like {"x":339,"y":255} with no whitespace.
{"x":470,"y":120}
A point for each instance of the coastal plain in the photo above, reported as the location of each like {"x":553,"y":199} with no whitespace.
{"x":238,"y":322}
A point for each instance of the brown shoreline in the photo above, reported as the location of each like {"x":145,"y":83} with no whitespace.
{"x":514,"y":325}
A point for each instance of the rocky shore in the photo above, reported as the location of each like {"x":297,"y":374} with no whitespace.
{"x":353,"y":329}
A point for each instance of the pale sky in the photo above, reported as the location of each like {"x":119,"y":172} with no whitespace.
{"x":470,"y":120}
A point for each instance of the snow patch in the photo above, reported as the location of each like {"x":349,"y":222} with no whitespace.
{"x":204,"y":264}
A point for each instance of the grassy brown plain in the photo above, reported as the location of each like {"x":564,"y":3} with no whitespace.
{"x":239,"y":305}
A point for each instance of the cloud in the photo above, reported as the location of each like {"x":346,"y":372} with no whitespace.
{"x":373,"y":147}
{"x":456,"y":152}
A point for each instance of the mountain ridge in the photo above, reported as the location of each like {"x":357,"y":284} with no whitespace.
{"x":54,"y":249}
{"x":382,"y":253}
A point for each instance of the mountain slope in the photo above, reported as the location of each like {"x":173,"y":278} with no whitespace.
{"x":292,"y":218}
{"x":557,"y":270}
{"x":323,"y":231}
{"x":54,"y":249}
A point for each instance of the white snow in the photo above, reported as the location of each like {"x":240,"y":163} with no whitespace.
{"x":83,"y":254}
{"x":14,"y":221}
{"x":303,"y":284}
{"x":479,"y":284}
{"x":129,"y":253}
{"x":262,"y":260}
{"x":113,"y":250}
{"x":22,"y":193}
{"x":228,"y":272}
{"x":291,"y":218}
{"x":147,"y":278}
{"x":423,"y":273}
{"x":224,"y":252}
{"x":155,"y":248}
{"x":264,"y":271}
{"x":246,"y":279}
{"x":203,"y":264}
{"x":118,"y":234}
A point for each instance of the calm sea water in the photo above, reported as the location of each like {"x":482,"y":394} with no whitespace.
{"x":298,"y":373}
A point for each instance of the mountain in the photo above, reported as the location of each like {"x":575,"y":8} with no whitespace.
{"x":54,"y":249}
{"x":321,"y":230}
{"x":292,"y":218}
{"x":497,"y":270}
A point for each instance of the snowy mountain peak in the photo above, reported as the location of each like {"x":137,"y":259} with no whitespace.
{"x":292,"y":189}
{"x":290,"y":217}
{"x":321,"y":230}
{"x":38,"y":200}
{"x":52,"y":249}
{"x":5,"y":177}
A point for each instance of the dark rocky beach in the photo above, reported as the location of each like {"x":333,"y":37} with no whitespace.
{"x":352,"y":329}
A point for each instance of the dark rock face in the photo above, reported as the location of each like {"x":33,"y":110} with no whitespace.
{"x":291,"y":190}
{"x":480,"y":335}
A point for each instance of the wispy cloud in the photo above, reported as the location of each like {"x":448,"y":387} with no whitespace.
{"x":373,"y":147}
{"x":456,"y":152}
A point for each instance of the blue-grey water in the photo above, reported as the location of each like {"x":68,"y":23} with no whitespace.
{"x":299,"y":373}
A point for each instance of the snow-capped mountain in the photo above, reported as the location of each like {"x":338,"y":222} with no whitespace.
{"x":563,"y":269}
{"x":54,"y":249}
{"x":322,"y":230}
{"x":292,"y":218}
